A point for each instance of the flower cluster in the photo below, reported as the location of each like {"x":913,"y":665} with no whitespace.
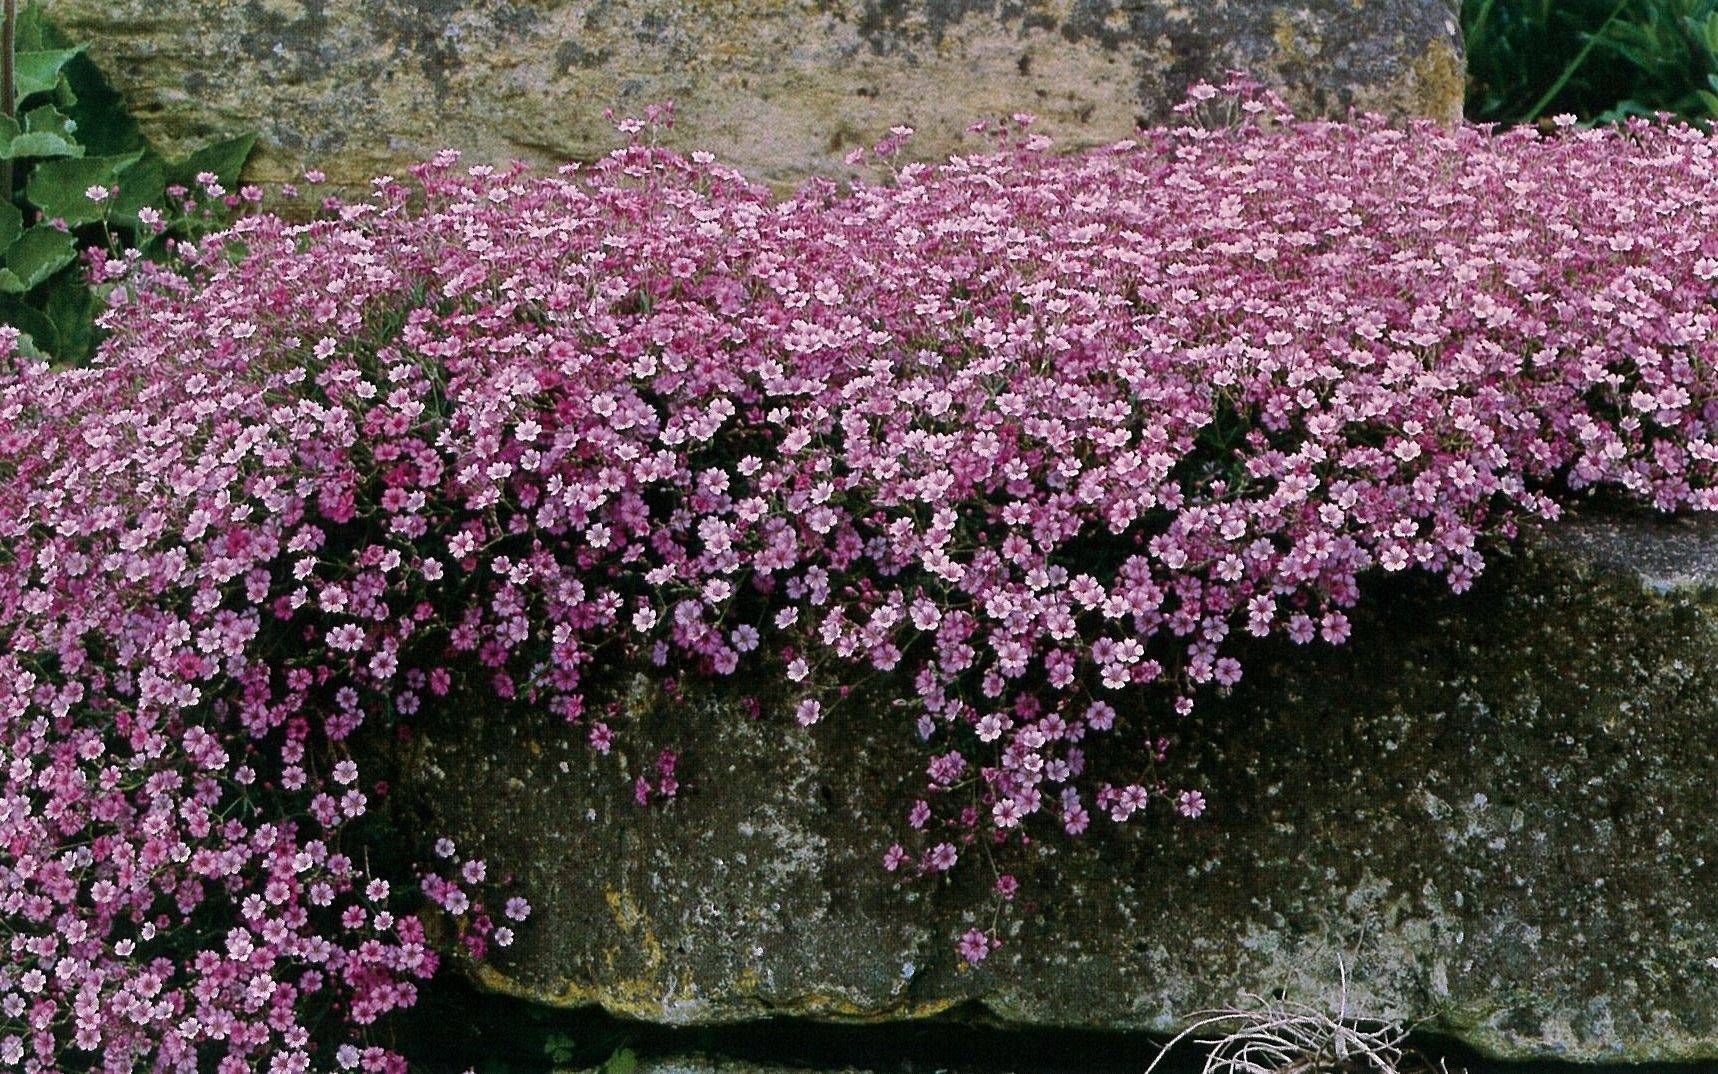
{"x":1035,"y":434}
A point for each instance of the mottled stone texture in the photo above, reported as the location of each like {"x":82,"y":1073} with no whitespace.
{"x":780,"y":88}
{"x":1497,"y":807}
{"x":698,"y":1064}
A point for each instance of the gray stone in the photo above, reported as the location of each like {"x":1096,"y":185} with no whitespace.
{"x":781,"y":90}
{"x":1496,"y":809}
{"x":697,"y":1064}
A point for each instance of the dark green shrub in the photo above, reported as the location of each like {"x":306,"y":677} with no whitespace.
{"x":1600,"y":60}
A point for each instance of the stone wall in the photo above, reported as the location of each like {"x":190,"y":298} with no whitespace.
{"x":780,"y":88}
{"x":1495,"y":808}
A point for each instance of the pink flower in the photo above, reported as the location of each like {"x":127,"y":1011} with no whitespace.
{"x":974,"y":947}
{"x":941,"y":858}
{"x":1228,"y":671}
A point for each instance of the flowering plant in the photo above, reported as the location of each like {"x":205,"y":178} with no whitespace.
{"x":1036,"y":432}
{"x":76,"y":173}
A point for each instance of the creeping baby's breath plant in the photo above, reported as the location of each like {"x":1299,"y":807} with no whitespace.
{"x":1037,"y":433}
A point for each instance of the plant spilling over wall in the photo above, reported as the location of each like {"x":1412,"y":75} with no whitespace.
{"x":1037,"y":433}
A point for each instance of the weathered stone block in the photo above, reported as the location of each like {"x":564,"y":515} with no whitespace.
{"x":779,"y":89}
{"x":1497,"y":807}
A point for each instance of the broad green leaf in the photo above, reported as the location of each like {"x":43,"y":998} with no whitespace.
{"x":47,"y":133}
{"x":11,"y":224}
{"x":224,"y":158}
{"x":141,"y":185}
{"x":60,"y":188}
{"x":40,"y":144}
{"x":35,"y":32}
{"x":39,"y":253}
{"x":47,"y":119}
{"x":37,"y":329}
{"x":624,"y":1061}
{"x":64,"y":95}
{"x":72,"y":307}
{"x":39,"y":72}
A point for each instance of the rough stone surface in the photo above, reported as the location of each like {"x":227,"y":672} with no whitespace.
{"x":779,"y":89}
{"x":1497,"y":808}
{"x":695,"y":1064}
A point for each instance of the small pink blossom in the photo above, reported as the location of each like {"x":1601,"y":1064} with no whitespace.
{"x":1190,"y":804}
{"x":975,"y":946}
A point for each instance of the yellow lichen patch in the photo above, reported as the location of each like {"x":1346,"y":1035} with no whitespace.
{"x":1442,"y":77}
{"x":632,"y":920}
{"x":823,"y":1005}
{"x":1432,"y":87}
{"x":1288,"y":42}
{"x":644,"y":998}
{"x":639,"y":998}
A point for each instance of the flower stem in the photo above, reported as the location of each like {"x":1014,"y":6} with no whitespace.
{"x":8,"y":80}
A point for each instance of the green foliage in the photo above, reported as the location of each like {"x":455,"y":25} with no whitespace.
{"x":624,"y":1061}
{"x":1601,"y":60}
{"x":72,"y":134}
{"x":560,"y":1048}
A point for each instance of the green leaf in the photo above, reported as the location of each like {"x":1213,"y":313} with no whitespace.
{"x":72,"y":308}
{"x":105,"y":127}
{"x":39,"y":72}
{"x":143,"y":184}
{"x":47,"y":132}
{"x":37,"y":254}
{"x":47,"y":119}
{"x":30,"y":321}
{"x":40,"y":145}
{"x":225,"y":159}
{"x":559,"y":1048}
{"x":11,"y":224}
{"x":64,"y":94}
{"x":60,"y":187}
{"x":35,"y":32}
{"x":624,"y":1061}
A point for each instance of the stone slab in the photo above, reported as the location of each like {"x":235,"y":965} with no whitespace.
{"x":781,"y":89}
{"x":1495,"y":809}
